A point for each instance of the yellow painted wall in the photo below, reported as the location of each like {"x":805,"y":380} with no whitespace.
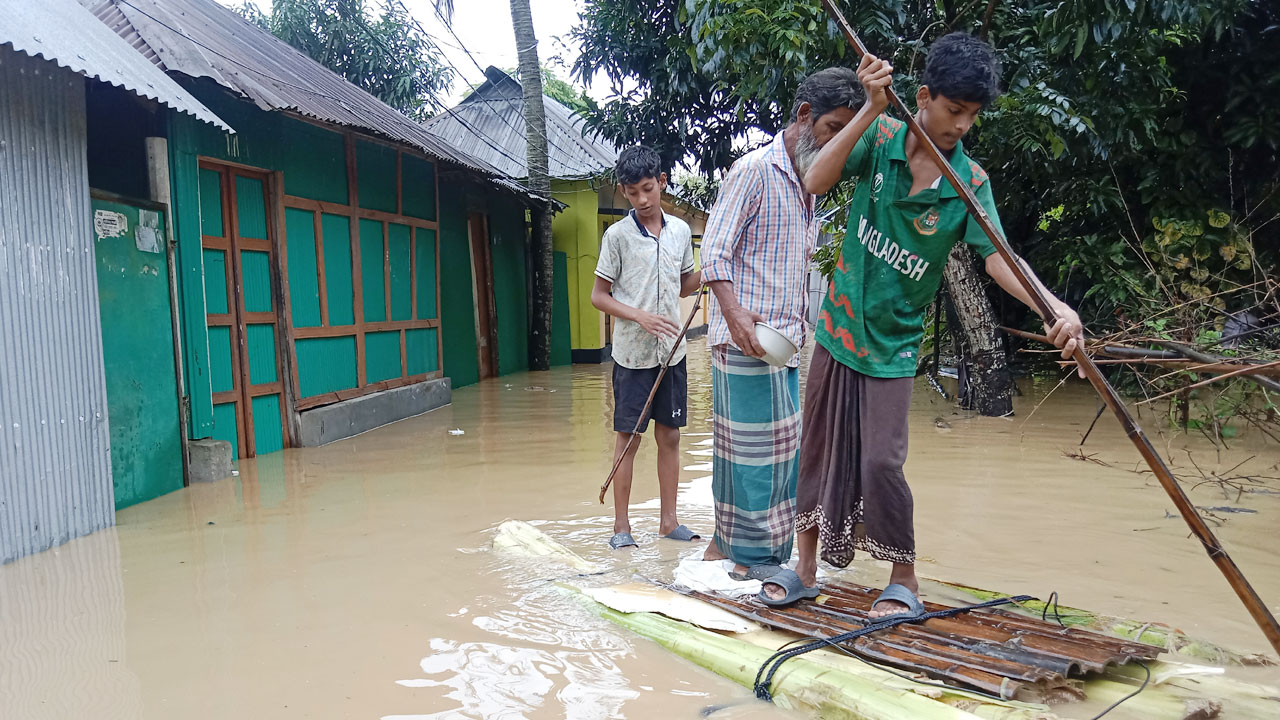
{"x":576,"y":232}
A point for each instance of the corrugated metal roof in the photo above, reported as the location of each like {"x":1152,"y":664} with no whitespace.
{"x":67,"y":35}
{"x":489,"y":124}
{"x":202,"y":39}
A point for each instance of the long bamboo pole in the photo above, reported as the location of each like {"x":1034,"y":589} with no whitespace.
{"x":644,"y":414}
{"x":1239,"y":583}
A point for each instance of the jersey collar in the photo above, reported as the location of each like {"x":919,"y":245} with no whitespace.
{"x":959,"y":161}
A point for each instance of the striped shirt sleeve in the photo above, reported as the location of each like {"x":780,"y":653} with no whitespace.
{"x":740,"y":197}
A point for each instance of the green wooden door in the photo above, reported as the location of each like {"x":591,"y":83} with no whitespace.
{"x":240,"y":298}
{"x":137,"y":349}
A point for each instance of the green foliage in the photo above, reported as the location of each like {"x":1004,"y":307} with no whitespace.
{"x":1117,"y":114}
{"x":379,"y":50}
{"x":690,"y":77}
{"x":557,"y":89}
{"x":1167,"y":129}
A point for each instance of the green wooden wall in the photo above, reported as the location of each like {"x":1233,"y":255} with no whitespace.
{"x":507,"y":243}
{"x":510,"y":280}
{"x":457,"y":307}
{"x":313,"y":163}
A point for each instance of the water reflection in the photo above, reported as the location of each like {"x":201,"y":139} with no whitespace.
{"x":487,"y":680}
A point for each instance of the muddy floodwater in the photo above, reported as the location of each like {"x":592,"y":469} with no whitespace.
{"x":356,"y":580}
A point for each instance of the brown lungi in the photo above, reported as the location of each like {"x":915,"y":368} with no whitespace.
{"x":851,"y":455}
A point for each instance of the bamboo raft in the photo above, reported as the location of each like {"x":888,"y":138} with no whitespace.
{"x":956,"y":668}
{"x":995,"y":652}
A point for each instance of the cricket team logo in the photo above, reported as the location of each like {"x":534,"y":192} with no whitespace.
{"x":927,"y":222}
{"x":876,"y":185}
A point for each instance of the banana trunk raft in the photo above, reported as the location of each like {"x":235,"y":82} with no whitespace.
{"x":991,"y":664}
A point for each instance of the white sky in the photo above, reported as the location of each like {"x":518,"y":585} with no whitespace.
{"x":484,"y":28}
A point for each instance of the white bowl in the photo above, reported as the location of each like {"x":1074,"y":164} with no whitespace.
{"x":778,"y":350}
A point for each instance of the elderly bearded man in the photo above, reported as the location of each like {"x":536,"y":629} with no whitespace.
{"x":755,"y":257}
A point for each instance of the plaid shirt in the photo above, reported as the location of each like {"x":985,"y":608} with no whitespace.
{"x":761,"y":236}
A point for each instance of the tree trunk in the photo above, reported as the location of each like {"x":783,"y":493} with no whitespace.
{"x":989,"y":387}
{"x":536,"y":154}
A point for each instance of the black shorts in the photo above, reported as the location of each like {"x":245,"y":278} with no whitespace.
{"x":631,"y":390}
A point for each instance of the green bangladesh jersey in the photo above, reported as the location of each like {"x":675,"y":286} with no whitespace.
{"x":894,"y":253}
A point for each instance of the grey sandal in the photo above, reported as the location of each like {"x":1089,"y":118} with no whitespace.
{"x":788,"y":580}
{"x":682,"y":534}
{"x":757,"y":572}
{"x":899,"y":593}
{"x":622,"y":540}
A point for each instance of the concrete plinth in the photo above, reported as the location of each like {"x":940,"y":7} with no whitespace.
{"x":210,"y":460}
{"x":330,"y":423}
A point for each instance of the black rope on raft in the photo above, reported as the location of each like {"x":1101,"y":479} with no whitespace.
{"x":765,"y":679}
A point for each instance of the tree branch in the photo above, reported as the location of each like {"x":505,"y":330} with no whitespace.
{"x":986,"y":19}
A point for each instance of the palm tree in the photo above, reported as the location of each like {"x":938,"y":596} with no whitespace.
{"x":536,"y":158}
{"x":536,"y":154}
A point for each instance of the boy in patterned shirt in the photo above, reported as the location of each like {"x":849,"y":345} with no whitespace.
{"x":904,"y":220}
{"x":645,"y":267}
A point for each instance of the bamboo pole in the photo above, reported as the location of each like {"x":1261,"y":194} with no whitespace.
{"x":1027,"y":335}
{"x":1239,"y":583}
{"x":1150,"y":633}
{"x":980,"y":705}
{"x":1188,"y":365}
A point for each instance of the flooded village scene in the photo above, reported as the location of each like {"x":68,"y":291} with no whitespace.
{"x":435,"y":359}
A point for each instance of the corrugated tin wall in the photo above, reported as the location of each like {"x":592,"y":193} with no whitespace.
{"x":55,"y":474}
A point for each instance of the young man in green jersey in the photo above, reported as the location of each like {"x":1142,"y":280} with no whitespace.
{"x":904,"y":220}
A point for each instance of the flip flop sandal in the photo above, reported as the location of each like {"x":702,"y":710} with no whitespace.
{"x":682,"y":534}
{"x":899,"y":593}
{"x":621,"y":540}
{"x":757,"y":572}
{"x":788,"y":580}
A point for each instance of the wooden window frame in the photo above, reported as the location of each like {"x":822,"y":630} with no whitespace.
{"x":360,"y":329}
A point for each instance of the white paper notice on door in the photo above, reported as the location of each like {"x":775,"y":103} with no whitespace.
{"x":108,"y":224}
{"x":149,"y":235}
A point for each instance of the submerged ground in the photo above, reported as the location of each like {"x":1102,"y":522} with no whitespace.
{"x":356,"y":580}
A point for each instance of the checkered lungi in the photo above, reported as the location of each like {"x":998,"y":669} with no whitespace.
{"x":756,"y":418}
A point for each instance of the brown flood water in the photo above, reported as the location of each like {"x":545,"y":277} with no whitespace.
{"x":356,"y":580}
